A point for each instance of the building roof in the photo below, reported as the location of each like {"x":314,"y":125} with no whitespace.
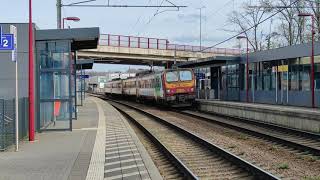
{"x":287,"y":52}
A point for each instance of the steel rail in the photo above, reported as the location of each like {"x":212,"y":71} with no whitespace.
{"x":178,"y":163}
{"x":256,"y":171}
{"x":273,"y":138}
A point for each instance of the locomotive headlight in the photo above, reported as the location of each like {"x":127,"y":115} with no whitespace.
{"x":168,"y":91}
{"x":192,"y":89}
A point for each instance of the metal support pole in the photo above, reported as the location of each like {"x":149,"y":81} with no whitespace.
{"x":17,"y":106}
{"x":59,"y":5}
{"x":157,"y":43}
{"x":200,"y":28}
{"x":63,"y":23}
{"x":312,"y":64}
{"x":31,"y":77}
{"x":175,"y":56}
{"x":108,"y":39}
{"x":247,"y":71}
{"x":252,"y":81}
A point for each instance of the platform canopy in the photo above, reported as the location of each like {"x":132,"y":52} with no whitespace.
{"x":84,"y":64}
{"x":211,"y":61}
{"x":82,"y":38}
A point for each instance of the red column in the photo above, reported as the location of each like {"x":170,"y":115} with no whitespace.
{"x":31,"y":77}
{"x":247,"y":71}
{"x":312,"y":64}
{"x":129,"y":43}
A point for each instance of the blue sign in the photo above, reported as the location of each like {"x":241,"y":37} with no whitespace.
{"x":200,"y":75}
{"x":7,"y":42}
{"x":83,"y":76}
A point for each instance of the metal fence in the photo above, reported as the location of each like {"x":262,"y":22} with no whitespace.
{"x":7,"y":123}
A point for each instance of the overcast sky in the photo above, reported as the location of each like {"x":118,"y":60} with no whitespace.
{"x":181,"y":27}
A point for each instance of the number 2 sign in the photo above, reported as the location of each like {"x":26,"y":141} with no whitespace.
{"x":7,"y":42}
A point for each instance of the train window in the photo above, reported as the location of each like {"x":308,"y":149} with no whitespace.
{"x":185,"y":76}
{"x":172,"y":76}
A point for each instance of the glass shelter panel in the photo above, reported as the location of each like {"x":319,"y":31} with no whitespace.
{"x":55,"y":101}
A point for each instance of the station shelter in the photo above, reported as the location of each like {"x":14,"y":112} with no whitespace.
{"x":279,"y":76}
{"x":55,"y":73}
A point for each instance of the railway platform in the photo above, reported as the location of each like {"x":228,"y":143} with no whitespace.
{"x":306,"y":119}
{"x":102,"y":145}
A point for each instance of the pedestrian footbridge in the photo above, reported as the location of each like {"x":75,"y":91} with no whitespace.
{"x":118,"y":49}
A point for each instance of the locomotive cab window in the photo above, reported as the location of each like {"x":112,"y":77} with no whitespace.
{"x":185,"y":75}
{"x":172,"y":76}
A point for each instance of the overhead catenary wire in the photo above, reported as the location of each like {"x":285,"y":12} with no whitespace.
{"x":139,"y":19}
{"x":155,"y":14}
{"x":234,"y":36}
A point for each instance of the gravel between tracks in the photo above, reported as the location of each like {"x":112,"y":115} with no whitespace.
{"x":269,"y":156}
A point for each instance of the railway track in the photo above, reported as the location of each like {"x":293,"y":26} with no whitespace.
{"x":167,"y":168}
{"x":201,"y":158}
{"x":302,"y":142}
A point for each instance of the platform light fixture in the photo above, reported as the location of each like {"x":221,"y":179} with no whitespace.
{"x":312,"y":54}
{"x":75,"y":19}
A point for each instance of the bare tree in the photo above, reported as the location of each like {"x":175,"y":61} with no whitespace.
{"x":290,"y":25}
{"x":250,"y":17}
{"x":314,"y":8}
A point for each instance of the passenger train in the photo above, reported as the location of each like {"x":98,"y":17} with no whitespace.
{"x":174,"y":87}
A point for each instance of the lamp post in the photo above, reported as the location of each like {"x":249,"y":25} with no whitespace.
{"x":247,"y":66}
{"x":200,"y":30}
{"x":75,"y":19}
{"x":31,"y":77}
{"x":312,"y":54}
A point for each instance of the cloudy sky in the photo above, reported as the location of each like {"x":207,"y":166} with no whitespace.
{"x":181,"y":27}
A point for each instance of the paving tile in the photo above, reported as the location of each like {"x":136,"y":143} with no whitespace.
{"x":132,"y":177}
{"x":113,"y":173}
{"x":130,"y":170}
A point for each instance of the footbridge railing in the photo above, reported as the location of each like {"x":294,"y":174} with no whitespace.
{"x":156,"y":43}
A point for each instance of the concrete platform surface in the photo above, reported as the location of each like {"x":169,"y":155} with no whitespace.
{"x":83,"y":153}
{"x":307,"y":119}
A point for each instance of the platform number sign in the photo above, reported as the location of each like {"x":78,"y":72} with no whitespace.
{"x":6,"y":41}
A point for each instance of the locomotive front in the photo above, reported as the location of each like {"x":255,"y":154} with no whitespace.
{"x":179,"y":86}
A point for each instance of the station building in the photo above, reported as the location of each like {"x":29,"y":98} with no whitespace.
{"x":56,"y":79}
{"x":278,"y":76}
